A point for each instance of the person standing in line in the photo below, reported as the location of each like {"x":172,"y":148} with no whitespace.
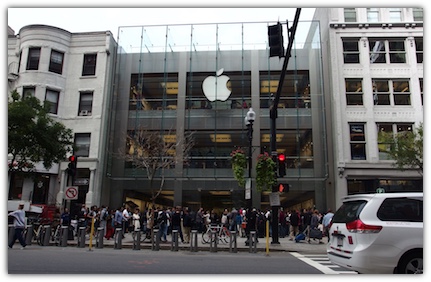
{"x":136,"y":222}
{"x":187,"y":224}
{"x":103,"y":218}
{"x":199,"y":220}
{"x":126,"y":219}
{"x":19,"y":226}
{"x":176,"y":222}
{"x":314,"y":223}
{"x":119,"y":219}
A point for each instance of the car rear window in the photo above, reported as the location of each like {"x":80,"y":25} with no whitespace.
{"x":349,"y":211}
{"x":401,"y":209}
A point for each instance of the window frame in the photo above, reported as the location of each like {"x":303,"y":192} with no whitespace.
{"x":419,"y":45}
{"x":389,"y":51}
{"x":361,"y":143}
{"x":350,"y":15}
{"x":56,"y":61}
{"x":53,"y":104}
{"x":85,"y":103}
{"x":373,"y":15}
{"x":33,"y":58}
{"x":82,"y":142}
{"x":351,"y":95}
{"x":351,"y":53}
{"x":89,"y":64}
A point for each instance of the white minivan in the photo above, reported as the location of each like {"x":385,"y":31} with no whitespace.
{"x":378,"y":233}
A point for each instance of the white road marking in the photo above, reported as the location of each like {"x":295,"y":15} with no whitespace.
{"x":315,"y":261}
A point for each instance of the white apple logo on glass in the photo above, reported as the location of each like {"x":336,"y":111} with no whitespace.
{"x":215,"y":87}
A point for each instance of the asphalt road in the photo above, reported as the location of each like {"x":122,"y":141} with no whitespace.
{"x":70,"y":260}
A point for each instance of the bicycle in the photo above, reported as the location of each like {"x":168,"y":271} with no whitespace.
{"x":223,"y":234}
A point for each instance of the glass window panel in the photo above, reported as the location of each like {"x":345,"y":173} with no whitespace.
{"x":397,"y":51}
{"x":419,"y":50}
{"x":52,"y":98}
{"x":377,"y":51}
{"x":85,"y":103}
{"x":33,"y":58}
{"x":82,"y":144}
{"x":350,"y":14}
{"x":395,"y":14}
{"x":384,"y":140}
{"x":28,"y":92}
{"x":351,"y":51}
{"x":89,"y":66}
{"x":418,"y":14}
{"x":56,"y":62}
{"x":372,"y":15}
{"x":354,"y":91}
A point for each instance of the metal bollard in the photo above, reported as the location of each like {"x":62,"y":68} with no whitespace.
{"x":137,"y":239}
{"x":174,"y":243}
{"x":99,"y":237}
{"x":11,"y":233}
{"x":194,"y":241}
{"x":47,"y":235}
{"x":29,"y":235}
{"x":232,"y":241}
{"x":252,"y":242}
{"x":155,"y":240}
{"x":81,"y":237}
{"x":63,"y":236}
{"x":213,"y":241}
{"x":118,"y":237}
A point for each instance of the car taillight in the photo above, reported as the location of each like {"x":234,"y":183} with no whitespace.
{"x":358,"y":226}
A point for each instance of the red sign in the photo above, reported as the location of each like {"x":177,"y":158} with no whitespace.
{"x":71,"y":193}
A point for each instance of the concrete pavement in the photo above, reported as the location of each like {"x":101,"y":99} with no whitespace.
{"x":263,"y":245}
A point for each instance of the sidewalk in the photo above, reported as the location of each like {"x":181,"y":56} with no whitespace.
{"x":285,"y":245}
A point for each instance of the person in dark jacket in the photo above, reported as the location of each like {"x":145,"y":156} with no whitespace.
{"x":176,"y":223}
{"x":294,"y":224}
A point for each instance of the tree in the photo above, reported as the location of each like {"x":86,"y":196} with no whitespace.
{"x":155,"y":152}
{"x":405,"y":148}
{"x":33,"y":136}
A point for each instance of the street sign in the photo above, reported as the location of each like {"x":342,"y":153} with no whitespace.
{"x":71,"y":193}
{"x":380,"y":190}
{"x":274,"y":199}
{"x":248,"y":189}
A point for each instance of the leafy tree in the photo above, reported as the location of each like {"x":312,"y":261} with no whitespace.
{"x":406,"y":148}
{"x":33,"y":136}
{"x":155,"y":152}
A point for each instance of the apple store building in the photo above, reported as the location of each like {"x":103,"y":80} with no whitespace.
{"x":192,"y":85}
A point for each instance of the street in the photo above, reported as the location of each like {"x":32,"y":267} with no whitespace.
{"x":70,"y":260}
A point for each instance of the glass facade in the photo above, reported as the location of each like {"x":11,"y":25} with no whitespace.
{"x":201,"y":80}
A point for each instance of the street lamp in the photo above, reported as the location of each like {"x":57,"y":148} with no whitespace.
{"x":249,"y":119}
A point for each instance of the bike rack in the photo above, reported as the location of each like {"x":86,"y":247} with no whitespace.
{"x":253,"y":240}
{"x":46,"y":235}
{"x":194,"y":241}
{"x":29,"y":235}
{"x":232,"y":241}
{"x":81,"y":237}
{"x":63,"y":236}
{"x":174,"y":243}
{"x":118,"y":237}
{"x":155,"y":240}
{"x":137,"y":239}
{"x":213,"y":241}
{"x":99,"y":237}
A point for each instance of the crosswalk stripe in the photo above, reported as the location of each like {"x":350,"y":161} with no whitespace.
{"x":322,"y":263}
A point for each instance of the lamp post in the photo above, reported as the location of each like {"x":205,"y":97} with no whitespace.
{"x":249,"y":119}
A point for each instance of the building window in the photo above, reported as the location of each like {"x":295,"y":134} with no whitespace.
{"x":82,"y":144}
{"x":350,"y":14}
{"x":89,"y":65}
{"x":85,"y":103}
{"x":28,"y":91}
{"x":421,"y":85}
{"x":401,"y":91}
{"x":351,"y":51}
{"x":153,"y":91}
{"x":383,"y":89}
{"x":372,"y":15}
{"x":296,"y":89}
{"x":52,"y":98}
{"x":419,"y":50}
{"x":354,"y":91}
{"x":395,"y":14}
{"x":357,"y":142}
{"x":385,"y":135}
{"x":396,"y":51}
{"x":56,"y":62}
{"x":418,"y":14}
{"x":33,"y":58}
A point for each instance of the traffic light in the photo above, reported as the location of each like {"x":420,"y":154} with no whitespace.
{"x":281,"y":165}
{"x":283,"y":187}
{"x":275,"y":38}
{"x":73,"y":160}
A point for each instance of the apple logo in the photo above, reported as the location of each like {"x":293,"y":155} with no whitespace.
{"x":215,"y":87}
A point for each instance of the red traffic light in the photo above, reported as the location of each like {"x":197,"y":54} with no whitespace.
{"x":72,"y":158}
{"x":281,"y":157}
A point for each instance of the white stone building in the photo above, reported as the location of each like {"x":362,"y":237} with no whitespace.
{"x":73,"y":71}
{"x":373,"y":75}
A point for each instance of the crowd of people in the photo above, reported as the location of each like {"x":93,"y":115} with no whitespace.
{"x":184,"y":219}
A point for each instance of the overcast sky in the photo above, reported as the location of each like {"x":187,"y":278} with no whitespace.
{"x":101,"y":19}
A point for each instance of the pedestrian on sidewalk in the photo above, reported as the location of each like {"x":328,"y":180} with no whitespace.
{"x":294,"y":224}
{"x":176,"y":222}
{"x":187,"y":224}
{"x":19,"y":225}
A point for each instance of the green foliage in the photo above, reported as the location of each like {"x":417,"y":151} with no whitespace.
{"x":265,"y":172}
{"x":33,"y":136}
{"x":405,"y":148}
{"x":239,"y":163}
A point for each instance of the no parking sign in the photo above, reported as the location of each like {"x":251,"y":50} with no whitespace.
{"x":71,"y":193}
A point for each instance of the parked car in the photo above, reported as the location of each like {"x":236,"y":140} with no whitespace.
{"x":378,"y":233}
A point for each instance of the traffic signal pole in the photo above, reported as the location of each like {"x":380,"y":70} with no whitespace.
{"x":273,"y":116}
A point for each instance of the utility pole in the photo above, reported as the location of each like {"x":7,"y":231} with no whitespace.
{"x":273,"y":115}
